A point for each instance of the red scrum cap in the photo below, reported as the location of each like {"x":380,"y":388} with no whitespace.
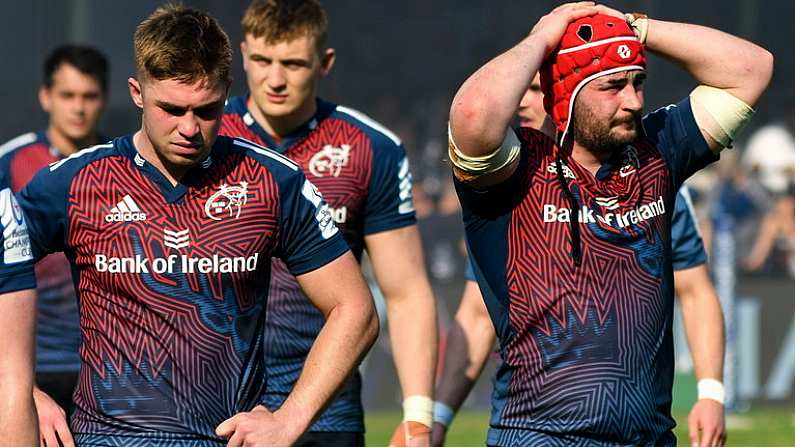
{"x":591,"y":47}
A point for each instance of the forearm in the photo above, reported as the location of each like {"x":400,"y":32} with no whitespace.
{"x":713,"y":58}
{"x":485,"y":104}
{"x":703,"y":320}
{"x":349,"y":332}
{"x":411,"y":314}
{"x":469,"y":344}
{"x":18,"y":421}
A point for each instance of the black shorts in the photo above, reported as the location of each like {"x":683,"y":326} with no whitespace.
{"x":59,"y":386}
{"x":330,"y":439}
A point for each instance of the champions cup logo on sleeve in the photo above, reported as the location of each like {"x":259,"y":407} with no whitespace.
{"x":227,"y":202}
{"x":330,"y":160}
{"x":16,"y":241}
{"x":323,"y":216}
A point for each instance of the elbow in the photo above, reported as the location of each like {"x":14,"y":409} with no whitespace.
{"x":759,"y":70}
{"x":372,"y":327}
{"x":766,"y":63}
{"x":474,"y":130}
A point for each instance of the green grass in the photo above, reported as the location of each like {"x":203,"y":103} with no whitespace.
{"x":764,"y":427}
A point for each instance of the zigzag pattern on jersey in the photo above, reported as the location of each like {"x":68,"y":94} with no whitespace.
{"x":26,"y":161}
{"x":523,"y":438}
{"x":168,"y":350}
{"x":292,"y":321}
{"x":587,"y":349}
{"x":132,"y":441}
{"x":349,"y":187}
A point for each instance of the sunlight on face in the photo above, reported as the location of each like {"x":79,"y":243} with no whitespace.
{"x":180,"y":120}
{"x":608,"y":109}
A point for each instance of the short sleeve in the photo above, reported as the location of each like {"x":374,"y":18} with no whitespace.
{"x":389,"y":204}
{"x":496,"y":200}
{"x":469,"y":272}
{"x":33,"y":221}
{"x":686,"y":244}
{"x":674,"y":131}
{"x":308,"y":236}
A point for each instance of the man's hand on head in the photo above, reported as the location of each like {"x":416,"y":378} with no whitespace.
{"x":551,"y":27}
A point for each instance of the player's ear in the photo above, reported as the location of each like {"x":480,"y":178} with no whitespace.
{"x":244,"y":54}
{"x":327,"y":59}
{"x":135,"y":92}
{"x":45,"y":100}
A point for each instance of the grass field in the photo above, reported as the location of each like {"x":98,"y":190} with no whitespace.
{"x":759,"y":428}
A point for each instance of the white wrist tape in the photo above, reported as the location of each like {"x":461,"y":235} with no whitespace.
{"x":639,"y":25}
{"x":711,"y":389}
{"x":485,"y":164}
{"x":443,"y":414}
{"x":418,"y":409}
{"x":728,"y":112}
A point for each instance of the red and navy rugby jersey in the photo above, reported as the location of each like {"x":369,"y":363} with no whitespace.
{"x":362,"y":171}
{"x":172,"y":280}
{"x":58,"y":329}
{"x":587,"y":351}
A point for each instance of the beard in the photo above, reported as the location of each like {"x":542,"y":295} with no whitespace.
{"x":599,"y":135}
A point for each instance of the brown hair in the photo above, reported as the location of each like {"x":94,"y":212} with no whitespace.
{"x":283,"y":20}
{"x":181,"y":43}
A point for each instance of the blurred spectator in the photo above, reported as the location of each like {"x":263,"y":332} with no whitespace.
{"x":770,"y":157}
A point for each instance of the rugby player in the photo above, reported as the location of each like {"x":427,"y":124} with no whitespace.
{"x":73,"y":93}
{"x":170,"y":232}
{"x":472,"y":336}
{"x":362,"y":171}
{"x":570,"y":237}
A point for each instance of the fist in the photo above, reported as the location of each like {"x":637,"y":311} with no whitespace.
{"x":411,"y":434}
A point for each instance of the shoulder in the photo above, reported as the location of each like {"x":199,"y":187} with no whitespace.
{"x":677,"y":118}
{"x":279,"y":165}
{"x":12,"y":146}
{"x":83,"y":158}
{"x":382,"y":138}
{"x":534,"y":139}
{"x":235,"y":105}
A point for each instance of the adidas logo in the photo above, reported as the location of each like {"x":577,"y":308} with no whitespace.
{"x":125,"y":211}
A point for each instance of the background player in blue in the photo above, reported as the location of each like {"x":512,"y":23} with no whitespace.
{"x":570,"y":239}
{"x":170,"y":233}
{"x":362,"y":171}
{"x":73,"y":94}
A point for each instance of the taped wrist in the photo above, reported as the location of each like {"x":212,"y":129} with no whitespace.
{"x":640,"y":25}
{"x":418,"y":409}
{"x":711,"y":389}
{"x":443,"y":414}
{"x":504,"y":155}
{"x":729,"y":113}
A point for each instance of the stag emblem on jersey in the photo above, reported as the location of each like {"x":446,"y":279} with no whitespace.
{"x":227,"y":201}
{"x":330,"y":160}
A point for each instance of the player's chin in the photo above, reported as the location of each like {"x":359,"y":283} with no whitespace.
{"x":186,"y":158}
{"x":624,"y":135}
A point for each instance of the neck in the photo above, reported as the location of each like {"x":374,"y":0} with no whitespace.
{"x":589,"y":159}
{"x":147,"y":150}
{"x":282,"y":126}
{"x":67,"y":146}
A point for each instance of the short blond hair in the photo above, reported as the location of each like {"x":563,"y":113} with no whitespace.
{"x":181,"y":43}
{"x":284,"y":20}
